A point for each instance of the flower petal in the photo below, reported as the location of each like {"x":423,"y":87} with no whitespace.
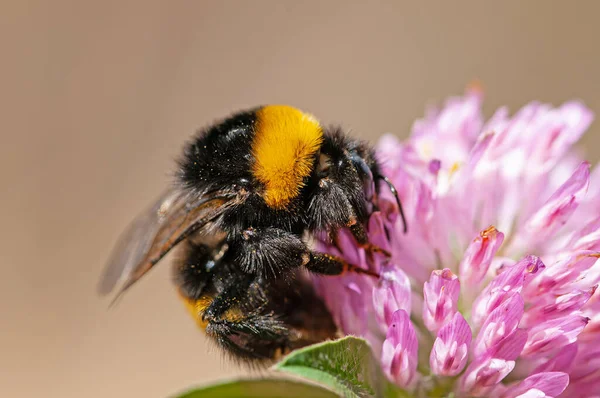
{"x":556,"y":306}
{"x":391,"y":294}
{"x":457,"y":124}
{"x":450,"y":349}
{"x":511,"y":346}
{"x":558,"y":277}
{"x":572,"y":118}
{"x":377,"y":231}
{"x":555,"y":212}
{"x":550,"y":384}
{"x":440,"y":298}
{"x":551,"y":335}
{"x":483,"y":375}
{"x":532,"y":393}
{"x":353,"y":315}
{"x":561,"y":362}
{"x":479,"y":255}
{"x":588,"y":238}
{"x":399,"y":354}
{"x":504,"y":286}
{"x":496,"y":331}
{"x":585,"y":373}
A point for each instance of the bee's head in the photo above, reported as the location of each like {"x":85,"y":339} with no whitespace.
{"x":342,"y":184}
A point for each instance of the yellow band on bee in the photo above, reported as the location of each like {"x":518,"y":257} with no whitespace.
{"x":196,"y":308}
{"x":285,"y":143}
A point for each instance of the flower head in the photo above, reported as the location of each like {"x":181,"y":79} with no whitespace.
{"x":492,"y":292}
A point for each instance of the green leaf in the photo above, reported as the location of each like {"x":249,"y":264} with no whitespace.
{"x":260,"y":388}
{"x":346,"y":366}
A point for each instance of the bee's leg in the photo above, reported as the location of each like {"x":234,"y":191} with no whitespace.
{"x":326,"y":264}
{"x":229,"y":299}
{"x":332,"y":235}
{"x":250,"y":336}
{"x":268,"y":252}
{"x":245,"y":347}
{"x":240,"y":329}
{"x":360,"y":234}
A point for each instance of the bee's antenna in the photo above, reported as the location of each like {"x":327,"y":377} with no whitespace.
{"x":395,"y":193}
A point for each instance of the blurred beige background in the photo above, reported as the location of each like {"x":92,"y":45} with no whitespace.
{"x":96,"y":99}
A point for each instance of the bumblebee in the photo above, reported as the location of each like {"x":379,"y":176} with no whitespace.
{"x":249,"y":193}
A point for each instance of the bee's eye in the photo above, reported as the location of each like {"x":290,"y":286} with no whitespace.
{"x":361,"y":166}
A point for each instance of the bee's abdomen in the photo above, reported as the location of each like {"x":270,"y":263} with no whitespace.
{"x":196,"y":308}
{"x":194,"y":269}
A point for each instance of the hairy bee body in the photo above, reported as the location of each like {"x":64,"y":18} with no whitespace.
{"x":249,"y":190}
{"x":275,"y":315}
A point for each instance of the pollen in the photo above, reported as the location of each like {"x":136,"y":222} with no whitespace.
{"x":454,"y":169}
{"x":489,"y":232}
{"x":285,"y":144}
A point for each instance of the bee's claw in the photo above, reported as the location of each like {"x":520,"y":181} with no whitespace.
{"x":358,"y":270}
{"x":371,"y":248}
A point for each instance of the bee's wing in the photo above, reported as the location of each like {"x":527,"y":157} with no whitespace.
{"x":135,"y":241}
{"x":171,"y":219}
